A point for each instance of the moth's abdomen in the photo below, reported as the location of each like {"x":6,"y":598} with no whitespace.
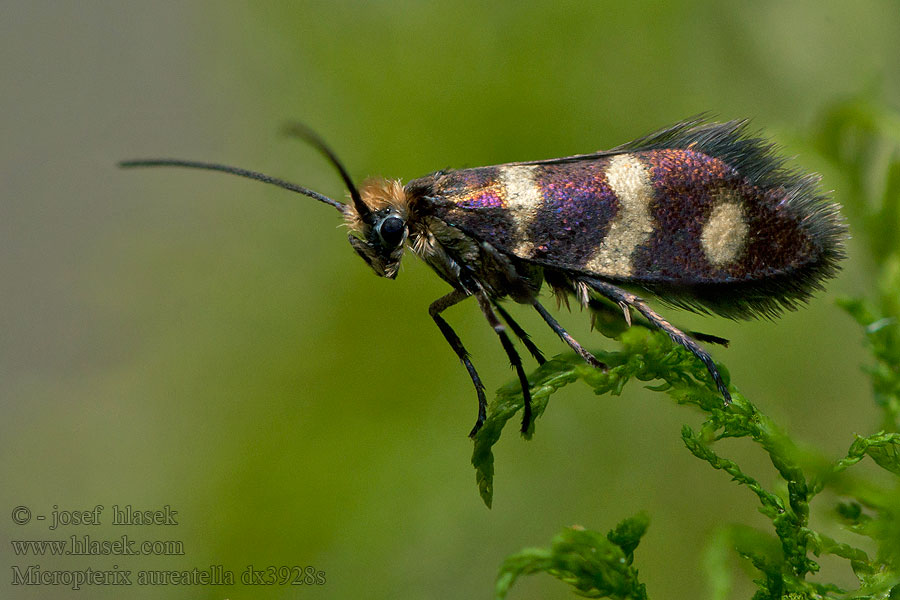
{"x":684,"y":224}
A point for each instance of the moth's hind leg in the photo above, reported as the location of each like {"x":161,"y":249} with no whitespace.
{"x":439,"y":306}
{"x":521,"y":334}
{"x":608,"y":308}
{"x":617,"y":294}
{"x":567,"y":338}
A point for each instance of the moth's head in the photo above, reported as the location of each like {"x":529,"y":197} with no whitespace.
{"x":378,"y":227}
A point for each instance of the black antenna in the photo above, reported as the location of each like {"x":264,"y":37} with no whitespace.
{"x":305,"y":133}
{"x":193,"y":164}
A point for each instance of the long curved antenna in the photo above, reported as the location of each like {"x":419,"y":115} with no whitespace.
{"x":193,"y":164}
{"x":305,"y":133}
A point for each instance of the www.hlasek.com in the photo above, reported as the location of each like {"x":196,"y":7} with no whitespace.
{"x":85,"y":545}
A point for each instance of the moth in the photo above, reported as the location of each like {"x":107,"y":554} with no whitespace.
{"x":704,"y":216}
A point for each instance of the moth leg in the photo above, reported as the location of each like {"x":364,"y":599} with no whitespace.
{"x":439,"y":306}
{"x":514,"y":359}
{"x":567,"y":338}
{"x":601,"y":306}
{"x":617,"y":294}
{"x":521,"y":334}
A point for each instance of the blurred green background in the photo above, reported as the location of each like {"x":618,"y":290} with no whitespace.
{"x":189,"y":339}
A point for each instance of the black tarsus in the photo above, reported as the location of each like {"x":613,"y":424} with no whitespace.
{"x":617,"y":294}
{"x":305,"y":133}
{"x":195,"y":164}
{"x":708,"y":338}
{"x":521,"y":334}
{"x":439,"y":306}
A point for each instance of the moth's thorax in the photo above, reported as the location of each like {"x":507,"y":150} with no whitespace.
{"x":467,"y":262}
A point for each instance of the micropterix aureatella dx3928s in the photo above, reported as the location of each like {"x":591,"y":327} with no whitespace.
{"x":702,"y":215}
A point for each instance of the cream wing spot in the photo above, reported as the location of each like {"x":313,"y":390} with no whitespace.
{"x":725,"y":234}
{"x":633,"y":223}
{"x":523,"y":200}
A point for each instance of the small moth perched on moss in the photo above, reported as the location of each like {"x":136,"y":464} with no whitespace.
{"x":701,"y":215}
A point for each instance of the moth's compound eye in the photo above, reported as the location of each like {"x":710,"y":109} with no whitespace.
{"x":391,"y":231}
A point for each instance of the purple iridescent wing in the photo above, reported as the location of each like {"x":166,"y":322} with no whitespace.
{"x":699,"y":213}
